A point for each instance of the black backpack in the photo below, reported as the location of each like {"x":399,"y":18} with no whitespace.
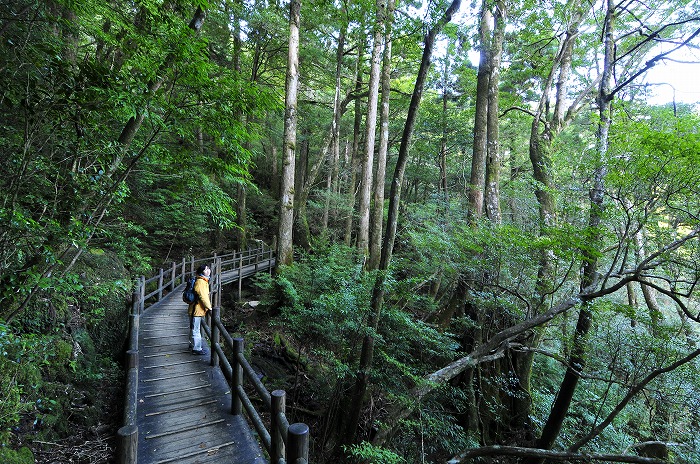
{"x":188,"y":294}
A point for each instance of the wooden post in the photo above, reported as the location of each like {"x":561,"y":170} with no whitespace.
{"x":135,"y":305}
{"x":133,"y":332}
{"x":128,"y":444}
{"x":257,"y":259}
{"x":240,"y":275}
{"x":171,"y":287}
{"x":160,"y":285}
{"x":220,"y":286}
{"x":184,"y":272}
{"x":269,"y":263}
{"x":215,"y":335}
{"x":278,"y":404}
{"x":274,"y":247}
{"x":142,"y":297}
{"x":298,"y":443}
{"x":237,"y":377}
{"x":132,"y":385}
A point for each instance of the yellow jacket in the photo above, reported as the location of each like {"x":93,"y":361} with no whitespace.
{"x":203,"y":304}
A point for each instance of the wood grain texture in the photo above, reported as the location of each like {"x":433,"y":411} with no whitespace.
{"x":184,"y":405}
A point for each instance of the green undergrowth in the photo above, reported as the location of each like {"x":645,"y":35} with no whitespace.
{"x":60,"y":374}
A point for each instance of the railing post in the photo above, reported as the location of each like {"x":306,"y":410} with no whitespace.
{"x":131,"y":394}
{"x":128,"y":444}
{"x":240,"y":275}
{"x":135,"y":305}
{"x":134,"y":332}
{"x":269,"y":263}
{"x":215,"y":335}
{"x":184,"y":272}
{"x":142,"y":297}
{"x":219,"y":282}
{"x":128,"y":434}
{"x":237,"y":377}
{"x":278,"y":404}
{"x":297,"y":443}
{"x":160,"y":285}
{"x":171,"y":287}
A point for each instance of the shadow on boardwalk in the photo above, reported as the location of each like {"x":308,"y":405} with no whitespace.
{"x":184,"y":404}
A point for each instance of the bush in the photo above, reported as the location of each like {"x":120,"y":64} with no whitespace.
{"x":21,"y":456}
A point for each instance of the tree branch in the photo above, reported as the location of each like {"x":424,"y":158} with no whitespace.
{"x":633,"y":391}
{"x":651,"y":63}
{"x":466,"y":456}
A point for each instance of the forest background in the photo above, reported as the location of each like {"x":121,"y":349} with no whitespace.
{"x":479,"y":262}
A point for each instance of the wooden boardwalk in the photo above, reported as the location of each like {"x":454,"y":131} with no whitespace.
{"x":184,"y":404}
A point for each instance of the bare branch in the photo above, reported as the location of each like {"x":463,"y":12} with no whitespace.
{"x":651,"y":63}
{"x":631,"y":394}
{"x":548,"y":454}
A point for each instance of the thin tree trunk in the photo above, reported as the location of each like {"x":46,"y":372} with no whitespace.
{"x":577,"y":360}
{"x":285,"y":252}
{"x":367,"y":352}
{"x":370,"y":134}
{"x":493,"y":156}
{"x":478,"y":171}
{"x":442,"y":182}
{"x":332,"y":175}
{"x":275,"y":181}
{"x":302,"y":189}
{"x":355,"y":158}
{"x":375,"y":248}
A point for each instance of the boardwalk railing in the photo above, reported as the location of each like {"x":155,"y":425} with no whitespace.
{"x":284,"y":442}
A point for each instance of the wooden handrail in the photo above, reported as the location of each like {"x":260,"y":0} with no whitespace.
{"x":284,"y":443}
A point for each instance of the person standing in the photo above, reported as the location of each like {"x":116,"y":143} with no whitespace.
{"x":199,"y":309}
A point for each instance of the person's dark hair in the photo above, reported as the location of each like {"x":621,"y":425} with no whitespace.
{"x":200,"y":269}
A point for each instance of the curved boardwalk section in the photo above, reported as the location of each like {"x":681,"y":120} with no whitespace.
{"x":184,"y":404}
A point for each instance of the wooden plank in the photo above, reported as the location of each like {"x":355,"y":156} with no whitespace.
{"x":183,"y":403}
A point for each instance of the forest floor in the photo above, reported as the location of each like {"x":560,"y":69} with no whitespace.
{"x":94,"y":444}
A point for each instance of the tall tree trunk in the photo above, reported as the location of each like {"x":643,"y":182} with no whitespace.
{"x":493,"y":156}
{"x":367,"y":353}
{"x":577,"y":359}
{"x":541,"y":144}
{"x":285,"y":251}
{"x":275,"y":181}
{"x":302,"y":189}
{"x":370,"y":134}
{"x":478,"y":171}
{"x":375,"y":248}
{"x":332,"y":175}
{"x":355,"y":158}
{"x":442,"y":163}
{"x":539,"y":152}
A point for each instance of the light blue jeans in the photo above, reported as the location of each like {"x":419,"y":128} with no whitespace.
{"x":196,"y":334}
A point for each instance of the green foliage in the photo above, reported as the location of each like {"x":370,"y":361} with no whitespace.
{"x":367,"y":453}
{"x":16,"y":374}
{"x":22,"y":456}
{"x":323,"y":298}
